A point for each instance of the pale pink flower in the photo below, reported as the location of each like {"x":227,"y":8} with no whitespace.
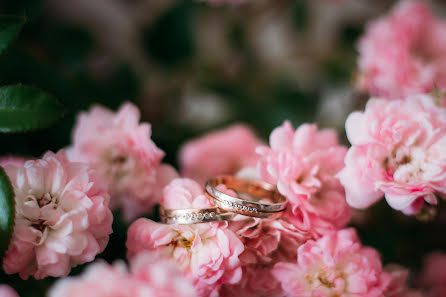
{"x":119,"y":147}
{"x":397,"y":151}
{"x":257,"y":281}
{"x":148,"y":276}
{"x":220,"y":152}
{"x":62,"y":217}
{"x":303,"y":164}
{"x":433,"y":276}
{"x":7,"y":291}
{"x":266,"y":241}
{"x":403,"y":53}
{"x":208,"y":253}
{"x":334,"y":265}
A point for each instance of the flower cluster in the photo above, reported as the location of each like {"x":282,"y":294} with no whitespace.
{"x":119,"y":148}
{"x":64,"y":200}
{"x":397,"y":151}
{"x":303,"y":163}
{"x":403,"y":53}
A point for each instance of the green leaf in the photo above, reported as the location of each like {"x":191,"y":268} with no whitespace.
{"x":9,"y":28}
{"x":6,"y":211}
{"x":25,"y":108}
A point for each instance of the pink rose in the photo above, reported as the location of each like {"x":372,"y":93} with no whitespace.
{"x":403,"y":53}
{"x":433,"y":275}
{"x":221,"y":152}
{"x":148,"y":276}
{"x":397,"y":151}
{"x":126,"y":159}
{"x":62,"y":217}
{"x":257,"y":281}
{"x":7,"y":291}
{"x":266,"y":241}
{"x":208,"y":253}
{"x":334,"y":265}
{"x":303,"y":164}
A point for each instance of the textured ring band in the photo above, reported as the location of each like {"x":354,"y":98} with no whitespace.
{"x":194,"y":216}
{"x":253,"y":205}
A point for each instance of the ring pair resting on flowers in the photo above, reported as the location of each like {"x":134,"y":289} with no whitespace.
{"x":252,"y":198}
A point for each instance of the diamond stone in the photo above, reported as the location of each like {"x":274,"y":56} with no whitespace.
{"x":212,"y":214}
{"x":200,"y":216}
{"x":206,"y":216}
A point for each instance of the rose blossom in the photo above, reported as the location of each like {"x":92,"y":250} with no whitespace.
{"x":62,"y":217}
{"x":304,"y":164}
{"x":397,"y":151}
{"x":148,"y":277}
{"x":207,"y":253}
{"x":334,"y":265}
{"x":127,"y":160}
{"x":7,"y":291}
{"x":220,"y":152}
{"x":433,"y":275}
{"x":266,"y":242}
{"x":403,"y":53}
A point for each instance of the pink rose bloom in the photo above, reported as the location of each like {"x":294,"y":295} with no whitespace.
{"x":257,"y":281}
{"x":208,"y":253}
{"x":303,"y":164}
{"x":334,"y":265}
{"x":62,"y":217}
{"x":433,"y":276}
{"x":126,"y":159}
{"x":7,"y":291}
{"x":397,"y":151}
{"x":266,"y":241}
{"x":148,"y":276}
{"x":403,"y":53}
{"x":221,"y":152}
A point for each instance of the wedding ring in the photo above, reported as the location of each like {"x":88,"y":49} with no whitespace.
{"x":194,"y":216}
{"x":250,"y":199}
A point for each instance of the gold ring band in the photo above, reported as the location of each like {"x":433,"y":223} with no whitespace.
{"x":251,"y":206}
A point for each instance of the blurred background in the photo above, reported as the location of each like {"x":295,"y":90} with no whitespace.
{"x":192,"y":67}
